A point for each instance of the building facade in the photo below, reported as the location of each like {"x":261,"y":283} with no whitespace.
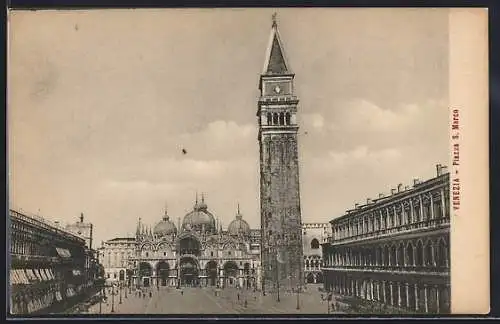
{"x":281,"y":224}
{"x":50,"y":267}
{"x":394,"y":250}
{"x":197,"y":252}
{"x":114,"y":256}
{"x":313,"y":235}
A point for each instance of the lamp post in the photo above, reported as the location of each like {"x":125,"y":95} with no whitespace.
{"x":121,"y":286}
{"x":125,"y":292}
{"x":100,"y":299}
{"x":298,"y":296}
{"x":112,"y":299}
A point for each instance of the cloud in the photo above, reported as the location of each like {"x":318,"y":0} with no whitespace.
{"x":361,"y":156}
{"x":362,"y":115}
{"x":315,"y":120}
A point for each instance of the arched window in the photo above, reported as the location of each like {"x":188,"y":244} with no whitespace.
{"x":401,"y":250}
{"x":429,"y":254}
{"x":314,"y":244}
{"x":393,"y":255}
{"x":269,"y":118}
{"x":442,"y":254}
{"x":419,"y":255}
{"x":409,"y":254}
{"x":282,"y":119}
{"x":386,"y":255}
{"x":427,"y":211}
{"x":287,"y":119}
{"x":275,"y":119}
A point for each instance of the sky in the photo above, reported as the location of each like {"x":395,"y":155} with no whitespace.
{"x":102,"y":102}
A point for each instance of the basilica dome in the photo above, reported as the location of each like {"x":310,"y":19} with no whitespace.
{"x":200,"y":219}
{"x":165,"y":226}
{"x":238,"y":226}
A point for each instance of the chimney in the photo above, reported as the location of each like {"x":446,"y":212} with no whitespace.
{"x":438,"y":170}
{"x":393,"y":191}
{"x":81,"y":217}
{"x":407,"y":187}
{"x":416,"y":181}
{"x":356,"y":205}
{"x":368,"y":201}
{"x":380,"y":195}
{"x":444,"y":168}
{"x":400,"y":187}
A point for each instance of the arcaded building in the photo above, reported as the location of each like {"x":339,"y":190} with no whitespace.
{"x":51,"y":268}
{"x":197,"y":252}
{"x":313,"y":235}
{"x":394,"y":250}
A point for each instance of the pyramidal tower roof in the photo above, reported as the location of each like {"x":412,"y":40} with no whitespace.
{"x":276,"y":61}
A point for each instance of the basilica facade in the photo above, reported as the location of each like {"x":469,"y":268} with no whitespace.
{"x":196,"y":252}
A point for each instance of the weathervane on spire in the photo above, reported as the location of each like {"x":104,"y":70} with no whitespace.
{"x":275,"y":24}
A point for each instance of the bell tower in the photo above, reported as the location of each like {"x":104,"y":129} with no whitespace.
{"x":281,"y":251}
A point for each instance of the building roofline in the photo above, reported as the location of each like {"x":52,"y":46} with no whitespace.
{"x":376,"y":203}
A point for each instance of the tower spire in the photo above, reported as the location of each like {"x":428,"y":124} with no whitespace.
{"x":275,"y":62}
{"x":165,"y":215}
{"x":138,"y":230}
{"x":202,"y":197}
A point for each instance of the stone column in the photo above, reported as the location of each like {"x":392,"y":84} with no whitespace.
{"x":378,"y":290}
{"x":384,"y":297}
{"x":391,"y":293}
{"x":426,"y":301}
{"x":421,"y":209}
{"x":443,"y":205}
{"x":416,"y":297}
{"x":395,"y":217}
{"x":432,"y":205}
{"x":399,"y":294}
{"x":411,"y":214}
{"x":433,"y":255}
{"x":407,"y":296}
{"x":371,"y":290}
{"x":438,"y":310}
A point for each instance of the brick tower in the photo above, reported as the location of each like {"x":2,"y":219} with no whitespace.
{"x":281,"y":251}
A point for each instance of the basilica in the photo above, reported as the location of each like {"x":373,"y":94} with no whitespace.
{"x":197,"y":252}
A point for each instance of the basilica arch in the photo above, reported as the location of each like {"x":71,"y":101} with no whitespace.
{"x":189,"y":271}
{"x":162,"y":272}
{"x":230,"y":274}
{"x":211,"y":269}
{"x":189,"y":244}
{"x":145,"y":273}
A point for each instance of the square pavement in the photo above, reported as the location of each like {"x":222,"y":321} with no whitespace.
{"x":212,"y":301}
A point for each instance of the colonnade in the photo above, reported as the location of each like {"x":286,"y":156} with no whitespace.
{"x":431,"y":252}
{"x":412,"y":210}
{"x":412,"y":296}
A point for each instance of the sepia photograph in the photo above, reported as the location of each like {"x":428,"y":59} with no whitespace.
{"x":245,"y":162}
